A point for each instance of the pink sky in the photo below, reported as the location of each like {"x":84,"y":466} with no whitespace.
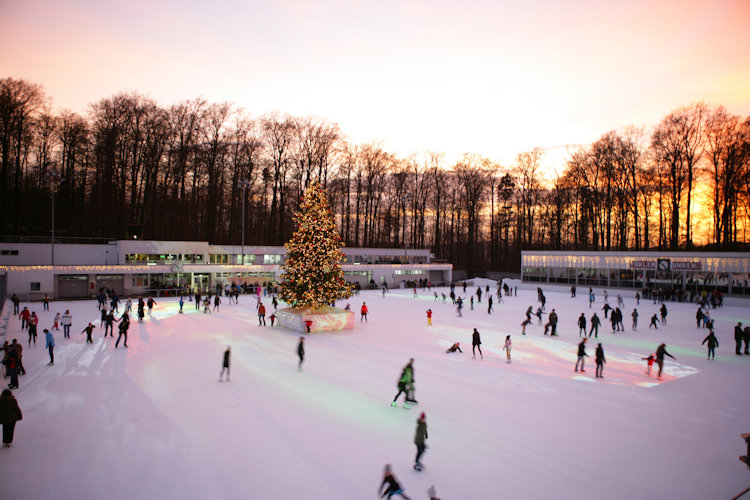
{"x":487,"y":77}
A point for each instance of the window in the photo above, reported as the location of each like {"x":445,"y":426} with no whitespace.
{"x":35,"y":286}
{"x":271,"y":258}
{"x":8,"y":252}
{"x":140,"y":279}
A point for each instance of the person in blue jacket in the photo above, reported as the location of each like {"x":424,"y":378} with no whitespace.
{"x":50,"y":346}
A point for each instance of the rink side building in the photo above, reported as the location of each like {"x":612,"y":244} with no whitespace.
{"x":725,"y":272}
{"x":134,"y":267}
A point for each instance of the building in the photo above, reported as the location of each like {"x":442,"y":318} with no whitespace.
{"x":134,"y":267}
{"x":726,"y":272}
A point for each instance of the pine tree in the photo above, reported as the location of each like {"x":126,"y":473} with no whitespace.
{"x":312,"y":274}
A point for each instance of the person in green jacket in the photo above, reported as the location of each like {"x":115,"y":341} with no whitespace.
{"x":405,"y":382}
{"x":419,"y":438}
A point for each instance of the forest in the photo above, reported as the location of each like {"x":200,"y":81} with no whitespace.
{"x":131,"y":167}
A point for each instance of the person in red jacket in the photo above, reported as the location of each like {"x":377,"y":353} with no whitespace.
{"x":24,"y":316}
{"x":429,"y":317}
{"x":363,"y":312}
{"x":261,"y":314}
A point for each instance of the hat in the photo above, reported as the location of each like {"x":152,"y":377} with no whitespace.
{"x":387,"y":468}
{"x":422,"y":416}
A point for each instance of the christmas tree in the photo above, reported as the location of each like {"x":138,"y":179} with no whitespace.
{"x":312,"y":274}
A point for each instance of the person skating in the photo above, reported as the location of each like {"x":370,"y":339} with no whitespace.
{"x":455,"y":347}
{"x":429,"y":317}
{"x":16,"y":301}
{"x":525,"y":322}
{"x":103,"y":317}
{"x":45,"y":302}
{"x":10,"y":413}
{"x":33,"y":322}
{"x":404,"y":382}
{"x":261,"y":315}
{"x":272,"y":317}
{"x":606,"y":308}
{"x":419,"y":440}
{"x":391,"y":484}
{"x":529,"y":312}
{"x":56,"y":322}
{"x":507,"y":347}
{"x":746,"y":339}
{"x":301,"y":352}
{"x":476,"y":342}
{"x":592,"y":297}
{"x":217,"y":303}
{"x":198,"y":301}
{"x":661,"y":351}
{"x":123,"y":330}
{"x":50,"y":345}
{"x":637,"y":298}
{"x":67,"y":322}
{"x":654,"y":321}
{"x":663,"y":311}
{"x":206,"y":305}
{"x":738,"y":335}
{"x":12,"y":362}
{"x":151,"y":304}
{"x":459,"y":306}
{"x":20,"y":370}
{"x":634,"y":314}
{"x":582,"y":325}
{"x":88,"y":330}
{"x":581,"y":355}
{"x":649,"y":363}
{"x":24,"y":316}
{"x":109,"y":322}
{"x":539,"y":312}
{"x":141,"y":309}
{"x":551,"y":323}
{"x":308,"y":324}
{"x":713,"y":343}
{"x":363,"y":312}
{"x":489,"y":304}
{"x":600,"y":360}
{"x":225,"y":364}
{"x":128,"y":306}
{"x":182,"y":303}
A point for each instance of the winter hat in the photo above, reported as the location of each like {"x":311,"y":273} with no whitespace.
{"x":422,"y":416}
{"x":387,"y":468}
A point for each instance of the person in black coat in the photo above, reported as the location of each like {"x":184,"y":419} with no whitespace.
{"x":661,"y":351}
{"x":600,"y":360}
{"x":225,"y":365}
{"x":713,"y":343}
{"x":738,"y":334}
{"x":581,"y":355}
{"x":10,"y":413}
{"x":475,"y":343}
{"x":582,"y":325}
{"x":301,"y":352}
{"x":393,"y":487}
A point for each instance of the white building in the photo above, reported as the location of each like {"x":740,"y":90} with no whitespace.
{"x":134,"y":267}
{"x":729,"y":273}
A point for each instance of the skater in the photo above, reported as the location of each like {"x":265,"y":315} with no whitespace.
{"x":635,"y":319}
{"x":637,"y":298}
{"x":663,"y":311}
{"x":539,"y":313}
{"x":620,"y":302}
{"x":225,"y":364}
{"x":33,"y":322}
{"x":404,"y":382}
{"x":713,"y":343}
{"x":661,"y":351}
{"x":56,"y":322}
{"x":582,"y":325}
{"x":592,"y":298}
{"x":88,"y":330}
{"x":738,"y":334}
{"x":508,"y":345}
{"x":50,"y":346}
{"x":141,"y":309}
{"x":103,"y":317}
{"x":151,"y":304}
{"x":573,"y":292}
{"x":272,"y":317}
{"x":217,"y":302}
{"x":606,"y":308}
{"x":475,"y":343}
{"x":455,"y":347}
{"x":206,"y":305}
{"x":308,"y":324}
{"x":67,"y":322}
{"x":261,"y":315}
{"x":12,"y":361}
{"x":527,"y":321}
{"x":20,"y":370}
{"x":109,"y":321}
{"x":529,"y":312}
{"x":363,"y":312}
{"x":551,"y":323}
{"x":301,"y":352}
{"x":429,"y":317}
{"x":419,"y":438}
{"x":198,"y":301}
{"x":24,"y":316}
{"x":16,"y":301}
{"x":10,"y":413}
{"x":460,"y":305}
{"x":600,"y":360}
{"x":650,"y":362}
{"x":393,"y":488}
{"x":182,"y":303}
{"x":745,"y":338}
{"x":45,"y":302}
{"x":128,"y":306}
{"x":654,"y":321}
{"x":274,"y":302}
{"x":123,"y":330}
{"x":581,"y":355}
{"x":489,"y":304}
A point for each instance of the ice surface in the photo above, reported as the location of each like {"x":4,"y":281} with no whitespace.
{"x":153,"y":421}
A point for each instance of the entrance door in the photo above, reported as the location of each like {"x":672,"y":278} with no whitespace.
{"x":72,"y":286}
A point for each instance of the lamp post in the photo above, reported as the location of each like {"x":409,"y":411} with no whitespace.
{"x":54,"y":177}
{"x":244,"y":184}
{"x":405,"y":199}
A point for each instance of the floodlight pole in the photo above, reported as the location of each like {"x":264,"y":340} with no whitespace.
{"x":55,"y":179}
{"x":244,"y":183}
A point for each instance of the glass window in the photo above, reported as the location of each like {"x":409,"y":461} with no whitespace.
{"x":35,"y":286}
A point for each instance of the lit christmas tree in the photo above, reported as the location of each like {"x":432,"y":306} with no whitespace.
{"x":312,"y":274}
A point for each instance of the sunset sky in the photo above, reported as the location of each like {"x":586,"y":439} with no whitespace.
{"x":494,"y":78}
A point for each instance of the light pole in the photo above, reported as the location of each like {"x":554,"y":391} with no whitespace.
{"x":54,"y":177}
{"x":244,"y":184}
{"x":405,"y":199}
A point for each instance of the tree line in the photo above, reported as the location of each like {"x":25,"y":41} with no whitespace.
{"x":131,"y":167}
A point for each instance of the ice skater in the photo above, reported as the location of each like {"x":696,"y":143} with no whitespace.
{"x":654,"y":321}
{"x":419,"y":440}
{"x":507,"y":347}
{"x":301,"y":353}
{"x":634,"y":314}
{"x":261,"y":315}
{"x":123,"y":330}
{"x":67,"y":322}
{"x":363,"y":312}
{"x":455,"y":347}
{"x":88,"y":331}
{"x":429,"y":317}
{"x":391,"y":484}
{"x":525,"y":322}
{"x":10,"y":413}
{"x":56,"y":322}
{"x":649,"y":363}
{"x":476,"y":342}
{"x":141,"y":309}
{"x":661,"y":351}
{"x":663,"y":311}
{"x":225,"y":364}
{"x":600,"y":360}
{"x":50,"y":345}
{"x":33,"y":322}
{"x":581,"y":355}
{"x":713,"y":343}
{"x":217,"y":303}
{"x":582,"y":325}
{"x":151,"y":304}
{"x":404,"y":383}
{"x":182,"y":303}
{"x":738,"y":334}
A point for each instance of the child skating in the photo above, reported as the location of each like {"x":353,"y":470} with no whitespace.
{"x":508,"y":345}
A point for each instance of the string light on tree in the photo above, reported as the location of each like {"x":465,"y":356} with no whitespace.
{"x":312,"y":275}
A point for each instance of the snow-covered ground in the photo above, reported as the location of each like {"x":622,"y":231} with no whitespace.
{"x":153,"y":421}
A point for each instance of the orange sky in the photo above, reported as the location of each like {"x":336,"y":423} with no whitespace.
{"x":489,"y":77}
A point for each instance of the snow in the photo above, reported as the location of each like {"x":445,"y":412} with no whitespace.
{"x":153,"y":421}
